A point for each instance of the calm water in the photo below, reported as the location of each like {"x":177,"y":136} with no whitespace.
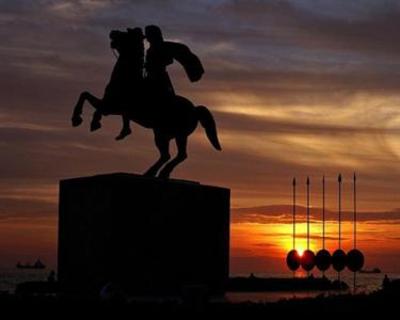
{"x":10,"y":277}
{"x":365,"y":283}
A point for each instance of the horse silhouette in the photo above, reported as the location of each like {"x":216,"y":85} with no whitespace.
{"x":128,"y":94}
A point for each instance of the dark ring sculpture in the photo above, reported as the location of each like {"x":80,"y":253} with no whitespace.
{"x":293,"y":260}
{"x":339,"y":260}
{"x":308,"y":260}
{"x":355,"y":260}
{"x":323,"y":260}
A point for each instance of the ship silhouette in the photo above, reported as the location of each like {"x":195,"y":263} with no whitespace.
{"x":37,"y":265}
{"x":374,"y":270}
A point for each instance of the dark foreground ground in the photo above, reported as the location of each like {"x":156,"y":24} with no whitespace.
{"x":383,"y":302}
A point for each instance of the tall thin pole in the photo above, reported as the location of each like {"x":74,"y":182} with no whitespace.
{"x":340,"y":209}
{"x":294,"y":213}
{"x":323,"y":212}
{"x":340,"y":214}
{"x":355,"y":210}
{"x":308,"y":213}
{"x":354,"y":225}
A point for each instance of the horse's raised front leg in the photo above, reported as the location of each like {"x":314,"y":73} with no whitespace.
{"x":181,"y":143}
{"x":76,"y":115}
{"x":95,"y":102}
{"x":162,"y":144}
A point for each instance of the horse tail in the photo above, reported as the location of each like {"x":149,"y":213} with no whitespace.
{"x":208,"y":123}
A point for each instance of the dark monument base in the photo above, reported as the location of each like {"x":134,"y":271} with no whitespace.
{"x":146,"y":235}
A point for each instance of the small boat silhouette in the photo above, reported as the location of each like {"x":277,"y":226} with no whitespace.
{"x":37,"y":265}
{"x":375,"y":270}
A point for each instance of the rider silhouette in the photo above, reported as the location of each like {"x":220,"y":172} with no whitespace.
{"x":125,"y":80}
{"x":157,"y":80}
{"x":158,"y":57}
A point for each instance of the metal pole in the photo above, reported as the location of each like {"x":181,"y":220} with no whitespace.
{"x":355,"y":210}
{"x":308,"y":213}
{"x":323,"y":212}
{"x":340,"y":209}
{"x":294,"y":213}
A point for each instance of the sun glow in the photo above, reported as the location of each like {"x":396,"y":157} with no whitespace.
{"x":300,"y":251}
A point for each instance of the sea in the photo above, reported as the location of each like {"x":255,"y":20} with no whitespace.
{"x":365,"y":283}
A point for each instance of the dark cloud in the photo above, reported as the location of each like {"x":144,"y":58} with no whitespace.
{"x":370,"y":27}
{"x":314,"y":237}
{"x":283,"y":214}
{"x":14,"y":209}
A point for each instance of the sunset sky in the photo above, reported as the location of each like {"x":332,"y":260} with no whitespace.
{"x":297,"y":87}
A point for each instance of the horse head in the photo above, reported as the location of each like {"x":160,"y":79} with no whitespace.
{"x":128,"y":43}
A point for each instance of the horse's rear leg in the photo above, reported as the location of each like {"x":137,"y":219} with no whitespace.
{"x":97,"y":115}
{"x":162,"y":144}
{"x":181,"y":143}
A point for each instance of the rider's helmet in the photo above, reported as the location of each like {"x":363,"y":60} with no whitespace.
{"x":153,"y":34}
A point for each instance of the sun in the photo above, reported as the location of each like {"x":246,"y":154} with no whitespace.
{"x":300,"y":251}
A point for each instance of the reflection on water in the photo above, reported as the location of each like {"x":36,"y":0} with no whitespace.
{"x":269,"y":296}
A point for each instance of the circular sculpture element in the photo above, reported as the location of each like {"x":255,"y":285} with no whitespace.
{"x":355,"y":260}
{"x":323,"y":260}
{"x":339,"y":260}
{"x":308,"y":260}
{"x":293,"y":260}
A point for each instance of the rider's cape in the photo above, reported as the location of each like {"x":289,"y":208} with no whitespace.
{"x":190,"y":62}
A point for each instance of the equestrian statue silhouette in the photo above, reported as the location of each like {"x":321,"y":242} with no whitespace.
{"x":150,"y":100}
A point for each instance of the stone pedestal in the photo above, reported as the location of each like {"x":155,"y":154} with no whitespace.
{"x":147,"y":235}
